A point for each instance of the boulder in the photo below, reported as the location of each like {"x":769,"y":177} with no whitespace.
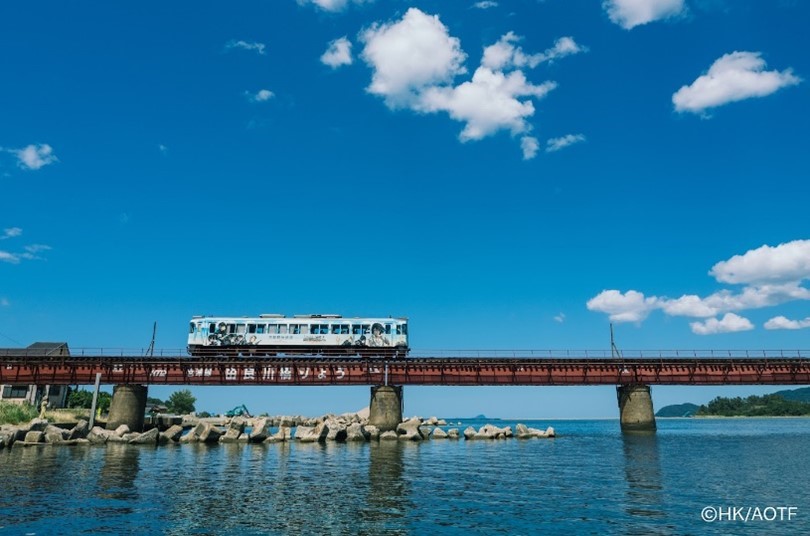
{"x":98,"y":435}
{"x":53,"y":437}
{"x":260,"y":431}
{"x":56,"y":431}
{"x":146,"y":438}
{"x":34,"y":437}
{"x":372,"y":431}
{"x":37,"y":425}
{"x":311,"y":434}
{"x":173,"y":433}
{"x":389,"y":435}
{"x":550,"y":432}
{"x":438,"y":433}
{"x":425,"y":431}
{"x":409,"y":430}
{"x":441,"y":422}
{"x":79,"y":431}
{"x":469,"y":433}
{"x":452,"y":433}
{"x":284,"y":433}
{"x":210,"y":433}
{"x":356,"y":432}
{"x":121,"y":430}
{"x":432,"y":421}
{"x":7,"y":438}
{"x":337,"y":430}
{"x":190,"y":437}
{"x":231,"y":435}
{"x":285,"y":421}
{"x":237,"y":423}
{"x":522,"y":431}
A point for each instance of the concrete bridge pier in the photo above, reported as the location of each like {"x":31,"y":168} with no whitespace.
{"x":385,"y":409}
{"x":635,"y":408}
{"x":128,"y":407}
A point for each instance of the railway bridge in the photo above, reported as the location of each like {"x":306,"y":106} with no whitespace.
{"x":632,"y":372}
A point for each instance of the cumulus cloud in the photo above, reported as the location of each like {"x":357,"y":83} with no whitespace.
{"x":415,"y":63}
{"x":786,"y":262}
{"x":555,"y":144}
{"x":733,"y":77}
{"x":631,"y":13}
{"x":781,"y":322}
{"x":770,"y":276}
{"x":244,"y":45}
{"x":339,"y":53}
{"x":730,"y":323}
{"x":631,"y":306}
{"x":333,"y":6}
{"x":35,"y":156}
{"x":529,"y":146}
{"x":485,"y":4}
{"x":263,"y":95}
{"x":11,"y":232}
{"x":410,"y":55}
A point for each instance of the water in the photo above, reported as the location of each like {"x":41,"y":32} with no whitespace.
{"x":590,"y":480}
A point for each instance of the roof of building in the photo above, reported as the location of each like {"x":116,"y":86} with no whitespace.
{"x":40,"y":349}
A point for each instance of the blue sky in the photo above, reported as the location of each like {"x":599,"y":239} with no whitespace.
{"x":506,"y":174}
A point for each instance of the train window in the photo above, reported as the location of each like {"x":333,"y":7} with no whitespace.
{"x":402,"y":329}
{"x":335,"y":329}
{"x":240,"y":329}
{"x":388,"y":329}
{"x":305,"y":329}
{"x":231,"y":328}
{"x":191,"y":328}
{"x":251,"y":328}
{"x":340,"y":329}
{"x":212,"y":328}
{"x":295,"y":329}
{"x":282,"y":329}
{"x":357,"y":329}
{"x":260,"y":328}
{"x":15,"y":391}
{"x":366,"y":329}
{"x":272,"y":328}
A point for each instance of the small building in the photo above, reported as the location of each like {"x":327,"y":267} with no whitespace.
{"x":33,"y":394}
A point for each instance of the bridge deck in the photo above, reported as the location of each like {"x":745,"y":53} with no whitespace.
{"x":471,"y":370}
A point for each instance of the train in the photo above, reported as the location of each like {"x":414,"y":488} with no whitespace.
{"x":276,"y":335}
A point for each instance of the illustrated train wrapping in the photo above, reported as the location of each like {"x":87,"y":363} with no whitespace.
{"x":279,"y":335}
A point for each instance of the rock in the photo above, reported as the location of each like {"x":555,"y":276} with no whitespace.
{"x":173,"y":433}
{"x":231,"y":435}
{"x":237,"y":423}
{"x":190,"y":437}
{"x":98,"y":435}
{"x":284,"y":434}
{"x":438,"y":433}
{"x":79,"y":431}
{"x":356,"y":432}
{"x":389,"y":435}
{"x":210,"y":433}
{"x":425,"y":431}
{"x":372,"y":431}
{"x":409,"y":430}
{"x":34,"y":437}
{"x":550,"y":432}
{"x":337,"y":430}
{"x":452,"y":433}
{"x":288,"y":422}
{"x":311,"y":434}
{"x":37,"y":425}
{"x":7,"y":438}
{"x":469,"y":433}
{"x":441,"y":422}
{"x":432,"y":421}
{"x":121,"y":430}
{"x":56,"y":431}
{"x":126,"y":438}
{"x":53,"y":437}
{"x":522,"y":431}
{"x":260,"y":431}
{"x":146,"y":438}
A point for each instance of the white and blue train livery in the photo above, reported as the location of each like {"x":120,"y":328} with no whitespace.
{"x":274,"y":335}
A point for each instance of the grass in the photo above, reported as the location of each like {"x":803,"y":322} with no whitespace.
{"x":20,"y":413}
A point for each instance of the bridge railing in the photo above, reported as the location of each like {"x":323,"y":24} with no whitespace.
{"x":450,"y":354}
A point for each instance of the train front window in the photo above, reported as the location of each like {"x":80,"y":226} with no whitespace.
{"x":402,"y":329}
{"x":191,"y":328}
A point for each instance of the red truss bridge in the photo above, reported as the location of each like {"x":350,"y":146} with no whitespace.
{"x":462,"y":367}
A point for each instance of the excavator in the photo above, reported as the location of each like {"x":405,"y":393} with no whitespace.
{"x":238,"y":411}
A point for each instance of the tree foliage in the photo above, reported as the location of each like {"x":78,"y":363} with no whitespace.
{"x":754,"y":406}
{"x":82,"y":398}
{"x":181,"y":402}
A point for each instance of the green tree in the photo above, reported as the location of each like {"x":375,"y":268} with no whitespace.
{"x":181,"y":402}
{"x":82,"y":398}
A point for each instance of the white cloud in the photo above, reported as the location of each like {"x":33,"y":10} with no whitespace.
{"x":244,"y":45}
{"x":6,"y":256}
{"x":505,"y":55}
{"x":163,"y":149}
{"x":485,"y":4}
{"x":733,"y":77}
{"x":780,"y":322}
{"x":560,"y":318}
{"x":555,"y":144}
{"x":409,"y":55}
{"x":631,"y":306}
{"x":339,"y":53}
{"x":263,"y":95}
{"x":333,"y":5}
{"x":529,"y":145}
{"x":786,"y":262}
{"x":730,"y":323}
{"x":30,"y":253}
{"x":11,"y":232}
{"x":35,"y":156}
{"x":631,"y":13}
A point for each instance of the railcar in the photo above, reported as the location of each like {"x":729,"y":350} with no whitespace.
{"x":315,"y":334}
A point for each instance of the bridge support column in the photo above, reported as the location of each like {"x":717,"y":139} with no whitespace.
{"x":635,"y":408}
{"x":385,"y":409}
{"x":128,"y":407}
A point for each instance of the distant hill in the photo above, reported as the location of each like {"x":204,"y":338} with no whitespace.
{"x":678,"y":410}
{"x":799,"y":395}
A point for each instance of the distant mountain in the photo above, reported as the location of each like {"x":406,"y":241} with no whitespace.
{"x":678,"y":410}
{"x":800,"y":395}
